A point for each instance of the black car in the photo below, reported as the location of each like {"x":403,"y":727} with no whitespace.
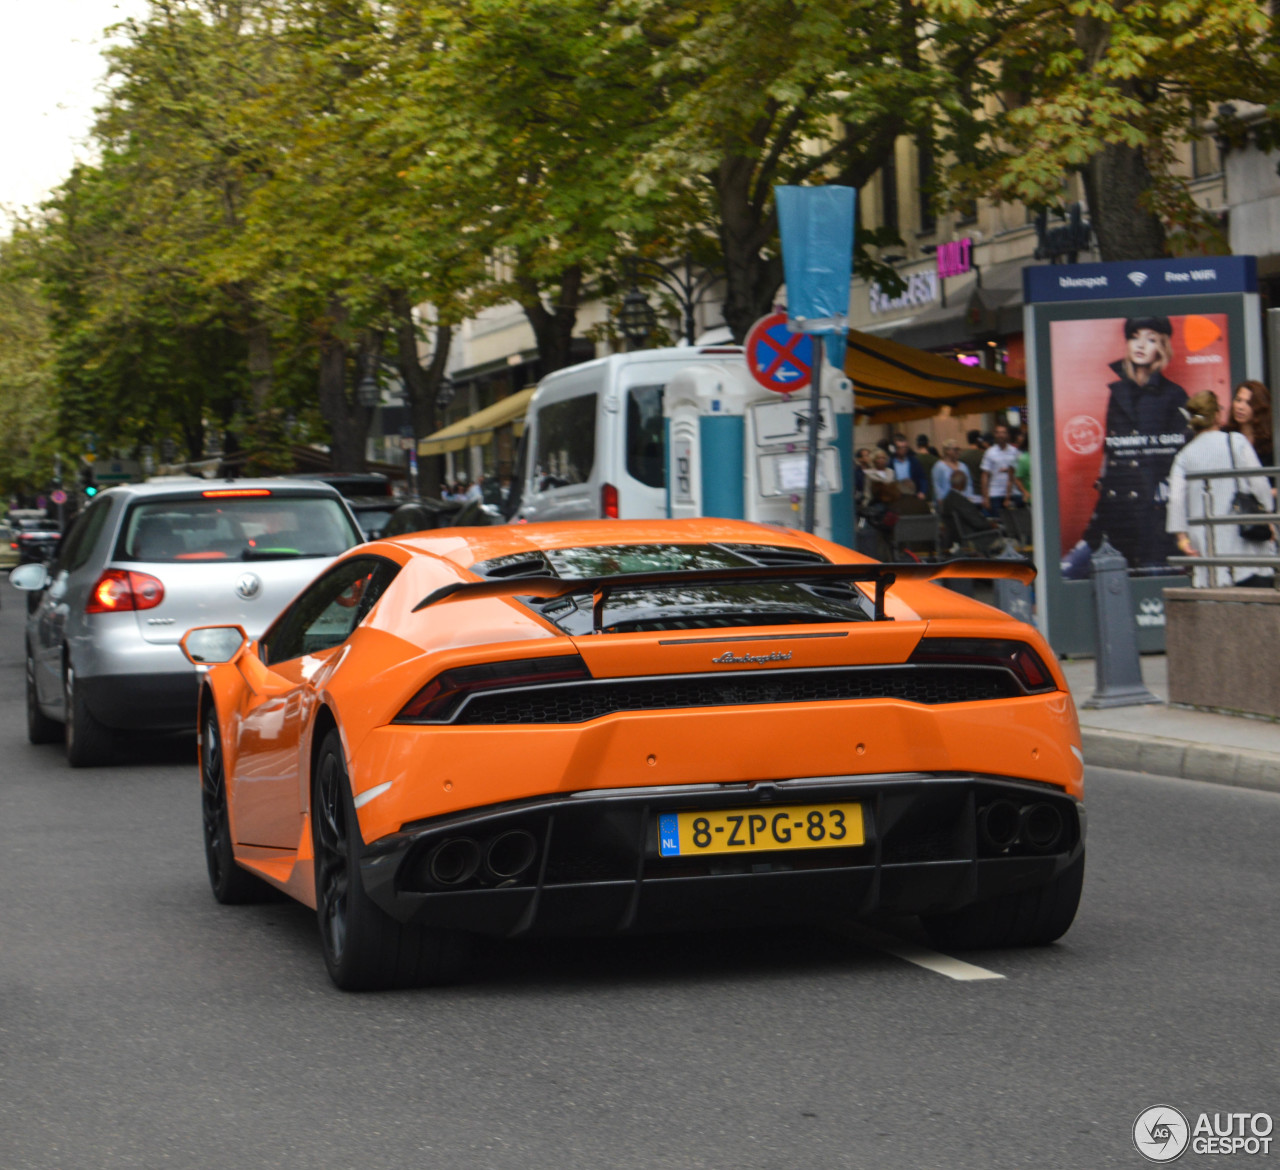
{"x":37,"y":540}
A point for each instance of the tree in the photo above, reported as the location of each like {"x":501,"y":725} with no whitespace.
{"x":1108,"y":89}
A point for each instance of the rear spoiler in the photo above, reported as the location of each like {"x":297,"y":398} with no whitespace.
{"x":883,"y":576}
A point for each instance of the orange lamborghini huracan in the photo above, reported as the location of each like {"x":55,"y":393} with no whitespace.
{"x":636,"y":725}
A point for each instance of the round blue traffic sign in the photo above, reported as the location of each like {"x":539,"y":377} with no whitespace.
{"x":777,"y":358}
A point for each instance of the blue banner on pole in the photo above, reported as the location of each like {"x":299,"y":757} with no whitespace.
{"x":816,"y":225}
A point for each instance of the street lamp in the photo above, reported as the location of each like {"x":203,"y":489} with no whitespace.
{"x":367,"y":393}
{"x":687,"y":288}
{"x":636,"y":318}
{"x":446,"y":391}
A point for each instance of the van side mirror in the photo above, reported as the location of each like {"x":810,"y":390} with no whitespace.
{"x":209,"y":645}
{"x":30,"y":578}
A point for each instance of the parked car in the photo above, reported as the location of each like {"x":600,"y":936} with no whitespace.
{"x":143,"y":563}
{"x":372,"y":513}
{"x":422,"y":515}
{"x":9,"y":557}
{"x":628,"y":725}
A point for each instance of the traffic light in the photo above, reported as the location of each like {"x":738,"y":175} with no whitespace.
{"x":87,"y":484}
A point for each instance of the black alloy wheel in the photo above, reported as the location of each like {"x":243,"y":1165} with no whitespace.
{"x":364,"y":948}
{"x":231,"y":885}
{"x":40,"y":728}
{"x":88,"y":742}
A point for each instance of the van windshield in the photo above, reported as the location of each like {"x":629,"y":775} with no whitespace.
{"x":566,"y":442}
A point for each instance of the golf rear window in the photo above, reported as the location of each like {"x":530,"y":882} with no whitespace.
{"x":235,"y":529}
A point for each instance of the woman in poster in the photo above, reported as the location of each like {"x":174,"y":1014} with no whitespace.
{"x":1145,"y":429}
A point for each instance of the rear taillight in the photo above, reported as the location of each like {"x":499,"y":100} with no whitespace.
{"x":13,"y":544}
{"x":440,"y":699}
{"x":118,"y":590}
{"x":1027,"y":666}
{"x":609,"y":502}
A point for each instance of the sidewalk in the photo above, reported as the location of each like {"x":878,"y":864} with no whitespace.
{"x":1173,"y":741}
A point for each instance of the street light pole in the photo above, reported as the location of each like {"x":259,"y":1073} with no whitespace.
{"x":681,"y":283}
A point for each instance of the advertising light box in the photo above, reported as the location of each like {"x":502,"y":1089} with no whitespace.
{"x":1113,"y":353}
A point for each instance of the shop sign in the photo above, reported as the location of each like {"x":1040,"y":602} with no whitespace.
{"x":955,"y":259}
{"x":921,"y":290}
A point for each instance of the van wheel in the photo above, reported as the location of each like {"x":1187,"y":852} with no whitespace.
{"x":40,"y":728}
{"x":88,"y":742}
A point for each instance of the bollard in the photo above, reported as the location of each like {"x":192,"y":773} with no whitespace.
{"x":1013,"y":597}
{"x":1118,"y":681}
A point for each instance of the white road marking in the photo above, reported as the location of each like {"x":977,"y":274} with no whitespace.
{"x":911,"y":952}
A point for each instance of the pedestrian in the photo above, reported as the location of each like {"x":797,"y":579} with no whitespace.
{"x":998,"y":489}
{"x":1022,"y":469}
{"x":1213,"y":449}
{"x":962,"y":519}
{"x":1251,"y":416}
{"x":971,"y":456}
{"x":1146,"y":427}
{"x":943,"y":469}
{"x":928,"y":458}
{"x":906,"y":466}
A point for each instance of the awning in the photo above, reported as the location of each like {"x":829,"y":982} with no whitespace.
{"x":895,"y":383}
{"x":477,"y":429}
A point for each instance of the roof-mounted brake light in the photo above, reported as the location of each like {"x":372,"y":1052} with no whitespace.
{"x":227,"y":493}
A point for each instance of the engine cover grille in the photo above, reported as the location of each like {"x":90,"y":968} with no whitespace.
{"x":579,"y":702}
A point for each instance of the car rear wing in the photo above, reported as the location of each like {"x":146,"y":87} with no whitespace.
{"x":881,"y":575}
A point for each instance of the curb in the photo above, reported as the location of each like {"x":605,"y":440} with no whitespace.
{"x":1236,"y":767}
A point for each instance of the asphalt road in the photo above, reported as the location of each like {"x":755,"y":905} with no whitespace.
{"x":142,"y":1025}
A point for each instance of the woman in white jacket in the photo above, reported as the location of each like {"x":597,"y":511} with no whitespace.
{"x":1209,"y":451}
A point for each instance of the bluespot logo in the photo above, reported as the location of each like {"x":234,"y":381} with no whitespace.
{"x":1138,"y":278}
{"x":1161,"y":1133}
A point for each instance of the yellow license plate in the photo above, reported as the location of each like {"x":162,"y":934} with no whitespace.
{"x":755,"y":830}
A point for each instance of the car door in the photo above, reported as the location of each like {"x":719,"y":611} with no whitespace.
{"x":57,"y":609}
{"x":285,"y":676}
{"x":560,"y":485}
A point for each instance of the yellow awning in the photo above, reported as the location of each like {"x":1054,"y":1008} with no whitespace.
{"x":895,"y":383}
{"x":477,"y":429}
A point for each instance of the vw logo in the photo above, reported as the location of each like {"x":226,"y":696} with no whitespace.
{"x":249,"y":586}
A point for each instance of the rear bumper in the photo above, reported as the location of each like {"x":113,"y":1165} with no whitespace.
{"x":142,"y":702}
{"x":597,"y":869}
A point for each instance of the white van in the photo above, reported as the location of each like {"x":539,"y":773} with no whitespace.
{"x":595,"y":437}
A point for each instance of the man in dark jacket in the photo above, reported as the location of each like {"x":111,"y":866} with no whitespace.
{"x":906,"y":466}
{"x":1146,"y":428}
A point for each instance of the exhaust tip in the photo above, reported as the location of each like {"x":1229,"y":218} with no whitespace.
{"x":454,"y":861}
{"x":510,"y":854}
{"x":1042,"y":827}
{"x":999,"y":823}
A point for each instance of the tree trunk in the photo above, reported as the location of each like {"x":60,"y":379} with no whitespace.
{"x":751,"y":281}
{"x":421,"y":385}
{"x":1116,"y":178}
{"x":552,"y":328}
{"x":348,"y":424}
{"x":260,"y":371}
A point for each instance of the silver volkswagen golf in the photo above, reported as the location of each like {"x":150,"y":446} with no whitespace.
{"x":140,"y":567}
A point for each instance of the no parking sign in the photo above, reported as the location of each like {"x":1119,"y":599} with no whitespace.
{"x":777,"y":358}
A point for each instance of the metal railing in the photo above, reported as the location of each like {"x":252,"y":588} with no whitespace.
{"x":1212,"y":558}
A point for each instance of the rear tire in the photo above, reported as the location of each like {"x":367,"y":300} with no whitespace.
{"x":365,"y":949}
{"x":40,"y":728}
{"x":1029,"y":918}
{"x":88,"y":742}
{"x":231,"y":885}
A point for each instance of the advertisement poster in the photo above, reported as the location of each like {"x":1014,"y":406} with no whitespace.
{"x":1118,"y":385}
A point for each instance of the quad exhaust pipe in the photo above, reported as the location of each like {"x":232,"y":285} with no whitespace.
{"x":454,"y":861}
{"x":510,"y":854}
{"x":503,"y":858}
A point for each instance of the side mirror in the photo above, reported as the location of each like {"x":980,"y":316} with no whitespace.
{"x":208,"y":645}
{"x":30,"y":578}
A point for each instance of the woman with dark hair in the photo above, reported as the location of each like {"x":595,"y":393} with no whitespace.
{"x":1146,"y":428}
{"x":1250,"y":414}
{"x":1213,"y":450}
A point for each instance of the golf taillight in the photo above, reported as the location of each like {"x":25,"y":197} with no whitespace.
{"x":120,"y":590}
{"x":1027,"y":666}
{"x":440,"y":699}
{"x":609,"y":502}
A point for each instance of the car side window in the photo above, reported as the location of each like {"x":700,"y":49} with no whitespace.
{"x":327,"y":612}
{"x":87,"y":533}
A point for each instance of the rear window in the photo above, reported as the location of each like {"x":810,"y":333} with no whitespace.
{"x":645,"y":435}
{"x":269,"y":528}
{"x":566,"y":442}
